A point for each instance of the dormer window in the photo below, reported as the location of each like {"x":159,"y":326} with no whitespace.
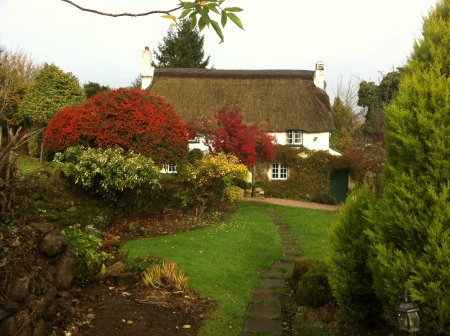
{"x":294,"y":137}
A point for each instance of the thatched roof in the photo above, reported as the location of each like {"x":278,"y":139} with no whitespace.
{"x":278,"y":99}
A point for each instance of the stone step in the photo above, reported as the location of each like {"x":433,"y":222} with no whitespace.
{"x":283,"y":265}
{"x":262,"y":290}
{"x":292,"y":251}
{"x":263,"y":325}
{"x":290,"y":257}
{"x":273,"y":282}
{"x":290,"y":245}
{"x":264,"y":297}
{"x":271,"y":273}
{"x":264,"y":310}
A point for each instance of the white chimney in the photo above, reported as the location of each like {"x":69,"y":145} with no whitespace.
{"x":147,"y":69}
{"x":319,"y":75}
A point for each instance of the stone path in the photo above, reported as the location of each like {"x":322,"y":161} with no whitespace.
{"x":264,"y":311}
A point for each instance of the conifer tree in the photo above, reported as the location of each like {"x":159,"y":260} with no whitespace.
{"x":181,"y":48}
{"x":51,"y":91}
{"x":412,"y":223}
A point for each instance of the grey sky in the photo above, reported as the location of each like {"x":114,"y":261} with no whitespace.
{"x":354,"y":38}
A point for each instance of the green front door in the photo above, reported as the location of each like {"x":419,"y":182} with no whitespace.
{"x":339,"y":184}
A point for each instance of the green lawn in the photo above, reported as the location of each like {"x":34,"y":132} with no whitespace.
{"x":223,"y":261}
{"x":27,"y":165}
{"x":310,"y":228}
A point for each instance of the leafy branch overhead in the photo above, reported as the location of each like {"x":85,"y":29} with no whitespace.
{"x":198,"y":11}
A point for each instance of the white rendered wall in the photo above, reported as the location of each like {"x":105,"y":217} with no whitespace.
{"x":314,"y":141}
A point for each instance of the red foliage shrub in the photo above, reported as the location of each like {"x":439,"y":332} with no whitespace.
{"x":226,"y":132}
{"x":129,"y":118}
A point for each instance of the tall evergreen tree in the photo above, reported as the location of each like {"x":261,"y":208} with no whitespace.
{"x":92,"y":88}
{"x":344,"y":122}
{"x":412,"y":223}
{"x":181,"y":48}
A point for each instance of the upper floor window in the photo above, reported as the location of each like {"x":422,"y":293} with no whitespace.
{"x":197,"y":139}
{"x":279,"y":171}
{"x":294,"y":137}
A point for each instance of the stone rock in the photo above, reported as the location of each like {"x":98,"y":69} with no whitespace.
{"x":53,"y":243}
{"x":40,"y":328}
{"x":43,"y":227}
{"x":65,"y":269}
{"x":18,"y":289}
{"x":63,"y":294}
{"x":50,"y":295}
{"x":3,"y":313}
{"x":21,"y":317}
{"x":115,"y":269}
{"x":8,"y":327}
{"x":128,"y":279}
{"x":12,"y":308}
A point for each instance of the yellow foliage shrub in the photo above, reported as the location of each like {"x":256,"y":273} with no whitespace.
{"x":232,"y":194}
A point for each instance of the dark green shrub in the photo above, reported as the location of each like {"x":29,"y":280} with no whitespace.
{"x":324,"y":198}
{"x":412,"y":222}
{"x":301,"y":266}
{"x":194,"y":155}
{"x":313,"y":289}
{"x":348,"y":251}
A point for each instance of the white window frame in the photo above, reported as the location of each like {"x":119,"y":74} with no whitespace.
{"x":279,"y":171}
{"x":197,"y":139}
{"x":170,"y":168}
{"x":294,"y":137}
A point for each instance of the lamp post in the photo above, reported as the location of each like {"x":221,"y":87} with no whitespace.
{"x":408,"y":317}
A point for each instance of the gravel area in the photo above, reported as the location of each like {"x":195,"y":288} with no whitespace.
{"x":293,"y":203}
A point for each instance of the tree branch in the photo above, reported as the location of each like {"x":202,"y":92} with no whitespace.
{"x":124,"y":14}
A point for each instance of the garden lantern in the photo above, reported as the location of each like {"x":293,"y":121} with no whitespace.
{"x":408,"y":316}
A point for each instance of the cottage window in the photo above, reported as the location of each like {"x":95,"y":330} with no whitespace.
{"x":294,"y":137}
{"x":279,"y":171}
{"x":170,"y":168}
{"x":197,"y":139}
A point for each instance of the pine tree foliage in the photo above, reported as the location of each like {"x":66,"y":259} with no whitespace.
{"x":181,"y":48}
{"x":412,"y":234}
{"x":344,"y":122}
{"x":349,"y":274}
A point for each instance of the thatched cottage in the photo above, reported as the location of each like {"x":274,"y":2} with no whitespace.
{"x":291,"y":105}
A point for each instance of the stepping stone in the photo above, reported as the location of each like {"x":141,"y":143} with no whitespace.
{"x":283,"y":264}
{"x":284,"y":230}
{"x":262,"y":297}
{"x":292,"y":246}
{"x":273,"y":282}
{"x":286,"y":235}
{"x":271,"y":273}
{"x":290,"y":257}
{"x":264,"y":310}
{"x":263,"y":325}
{"x":292,"y":251}
{"x":262,"y":290}
{"x":289,"y":241}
